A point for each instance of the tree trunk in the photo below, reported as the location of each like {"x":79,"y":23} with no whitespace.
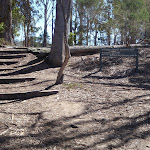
{"x":87,"y":31}
{"x":108,"y":37}
{"x":28,"y":38}
{"x":81,"y":24}
{"x":52,"y":20}
{"x":6,"y":17}
{"x":71,"y":18}
{"x":115,"y":39}
{"x":108,"y":34}
{"x":25,"y":35}
{"x":122,"y":38}
{"x":133,"y":40}
{"x":66,"y":16}
{"x":57,"y":54}
{"x":45,"y":25}
{"x":95,"y":37}
{"x":75,"y":28}
{"x":27,"y":23}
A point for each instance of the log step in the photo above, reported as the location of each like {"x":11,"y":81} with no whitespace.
{"x":15,"y":80}
{"x":25,"y":95}
{"x":14,"y":52}
{"x":12,"y":56}
{"x":8,"y":62}
{"x":6,"y":69}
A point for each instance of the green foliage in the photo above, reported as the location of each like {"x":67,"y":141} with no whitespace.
{"x":17,"y":18}
{"x":131,"y":16}
{"x":71,"y":38}
{"x":2,"y":27}
{"x":35,"y":42}
{"x":130,"y":10}
{"x":88,"y":3}
{"x":72,"y":85}
{"x":3,"y":42}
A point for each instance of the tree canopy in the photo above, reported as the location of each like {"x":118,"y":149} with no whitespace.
{"x":92,"y":22}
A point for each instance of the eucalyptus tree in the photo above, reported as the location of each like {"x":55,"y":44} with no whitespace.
{"x":17,"y":19}
{"x":60,"y":52}
{"x":29,"y":13}
{"x":6,"y":20}
{"x":109,"y":20}
{"x":57,"y":54}
{"x":73,"y":24}
{"x":147,"y":25}
{"x":26,"y":10}
{"x":130,"y":17}
{"x":46,"y":7}
{"x":89,"y":12}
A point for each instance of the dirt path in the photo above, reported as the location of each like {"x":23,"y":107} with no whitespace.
{"x":91,"y":110}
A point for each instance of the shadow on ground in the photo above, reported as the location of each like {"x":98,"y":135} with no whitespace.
{"x":90,"y":133}
{"x":16,"y":97}
{"x":89,"y":64}
{"x":32,"y":66}
{"x":11,"y":56}
{"x":15,"y":80}
{"x":101,"y":125}
{"x":140,"y":79}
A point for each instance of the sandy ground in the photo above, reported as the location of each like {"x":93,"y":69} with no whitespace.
{"x":91,"y":110}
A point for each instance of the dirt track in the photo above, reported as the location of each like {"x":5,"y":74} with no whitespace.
{"x":92,"y":110}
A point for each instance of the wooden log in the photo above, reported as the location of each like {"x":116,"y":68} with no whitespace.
{"x":75,"y":50}
{"x":82,"y":50}
{"x":26,"y":95}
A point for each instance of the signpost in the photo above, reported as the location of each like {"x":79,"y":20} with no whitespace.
{"x":119,"y":52}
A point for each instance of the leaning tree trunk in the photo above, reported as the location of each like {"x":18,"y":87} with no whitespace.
{"x":6,"y":17}
{"x":66,"y":16}
{"x":57,"y":54}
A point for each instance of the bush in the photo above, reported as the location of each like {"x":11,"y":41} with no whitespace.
{"x":2,"y":29}
{"x":3,"y":42}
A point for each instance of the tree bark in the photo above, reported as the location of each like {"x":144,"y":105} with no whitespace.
{"x":115,"y":38}
{"x":45,"y":24}
{"x":75,"y":28}
{"x":52,"y":20}
{"x":6,"y":17}
{"x":87,"y":30}
{"x":71,"y":18}
{"x":95,"y":37}
{"x":60,"y":73}
{"x":108,"y":36}
{"x":122,"y":37}
{"x":66,"y":16}
{"x":57,"y":54}
{"x":28,"y":38}
{"x":81,"y":24}
{"x":27,"y":23}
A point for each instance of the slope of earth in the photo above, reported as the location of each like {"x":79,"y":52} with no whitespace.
{"x":91,"y":110}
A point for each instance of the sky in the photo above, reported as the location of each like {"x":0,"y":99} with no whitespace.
{"x":40,"y":23}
